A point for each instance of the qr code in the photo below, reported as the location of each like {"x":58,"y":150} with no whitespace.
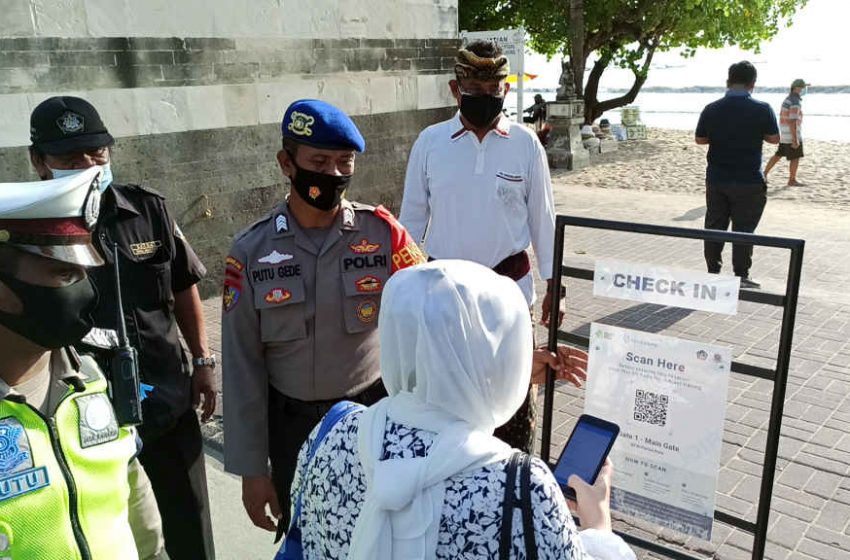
{"x":651,"y":408}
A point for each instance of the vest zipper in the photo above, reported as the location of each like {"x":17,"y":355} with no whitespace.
{"x":82,"y":544}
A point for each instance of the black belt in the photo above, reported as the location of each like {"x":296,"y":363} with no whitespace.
{"x":514,"y":267}
{"x":317,"y":409}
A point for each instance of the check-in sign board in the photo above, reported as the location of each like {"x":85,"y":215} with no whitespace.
{"x":674,"y":287}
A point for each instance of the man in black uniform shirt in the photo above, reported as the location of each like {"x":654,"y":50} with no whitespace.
{"x":159,"y":273}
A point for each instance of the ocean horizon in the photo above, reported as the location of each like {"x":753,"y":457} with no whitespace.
{"x":826,"y":116}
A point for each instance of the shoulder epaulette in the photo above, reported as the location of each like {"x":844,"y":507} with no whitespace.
{"x":360,"y":207}
{"x":142,"y":189}
{"x":89,"y":368}
{"x":242,"y":233}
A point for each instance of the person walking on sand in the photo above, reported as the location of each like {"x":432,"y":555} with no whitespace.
{"x":790,"y":133}
{"x":734,"y":128}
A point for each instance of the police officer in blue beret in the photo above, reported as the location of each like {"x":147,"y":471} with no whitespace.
{"x":302,"y":292}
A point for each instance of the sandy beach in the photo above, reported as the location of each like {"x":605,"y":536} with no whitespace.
{"x":670,"y":161}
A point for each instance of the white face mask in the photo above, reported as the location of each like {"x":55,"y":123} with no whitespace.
{"x":105,"y":179}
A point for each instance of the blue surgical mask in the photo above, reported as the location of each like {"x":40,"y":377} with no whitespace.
{"x":105,"y":178}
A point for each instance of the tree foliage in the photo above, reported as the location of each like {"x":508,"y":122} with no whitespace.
{"x":627,"y":33}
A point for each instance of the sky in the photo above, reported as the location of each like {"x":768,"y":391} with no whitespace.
{"x":814,"y":48}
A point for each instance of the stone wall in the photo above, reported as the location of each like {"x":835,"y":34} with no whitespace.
{"x":194,"y":91}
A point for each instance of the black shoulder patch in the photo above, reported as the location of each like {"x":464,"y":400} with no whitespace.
{"x":143,"y":189}
{"x":360,"y":207}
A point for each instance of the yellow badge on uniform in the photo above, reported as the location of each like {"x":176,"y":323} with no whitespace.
{"x":277,"y":295}
{"x":145,"y":248}
{"x":300,"y":123}
{"x":367,"y":311}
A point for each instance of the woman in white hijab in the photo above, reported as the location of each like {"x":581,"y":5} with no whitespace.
{"x":419,"y":475}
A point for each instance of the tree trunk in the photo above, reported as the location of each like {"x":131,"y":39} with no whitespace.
{"x":577,"y":57}
{"x":592,"y":90}
{"x":593,"y":108}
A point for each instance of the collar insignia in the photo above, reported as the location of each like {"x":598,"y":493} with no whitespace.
{"x":348,"y":217}
{"x":281,"y":224}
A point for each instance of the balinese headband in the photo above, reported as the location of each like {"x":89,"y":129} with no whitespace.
{"x":470,"y":65}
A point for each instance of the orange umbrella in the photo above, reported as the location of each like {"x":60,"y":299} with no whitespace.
{"x":526,"y":77}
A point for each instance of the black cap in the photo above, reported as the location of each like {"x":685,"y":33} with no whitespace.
{"x":61,"y":125}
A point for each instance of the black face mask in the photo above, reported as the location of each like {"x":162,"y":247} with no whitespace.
{"x":52,"y":317}
{"x":480,"y":110}
{"x":319,"y":190}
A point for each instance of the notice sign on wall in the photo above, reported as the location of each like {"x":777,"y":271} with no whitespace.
{"x":668,"y":396}
{"x":675,"y":287}
{"x":511,"y":41}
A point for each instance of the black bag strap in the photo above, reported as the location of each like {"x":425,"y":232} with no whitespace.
{"x":510,"y":502}
{"x":527,"y":510}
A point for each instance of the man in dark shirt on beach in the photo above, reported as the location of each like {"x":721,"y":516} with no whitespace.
{"x":734,"y":128}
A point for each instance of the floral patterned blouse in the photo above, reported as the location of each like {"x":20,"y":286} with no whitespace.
{"x":471,"y":518}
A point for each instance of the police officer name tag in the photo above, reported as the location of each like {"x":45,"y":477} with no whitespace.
{"x":17,"y":473}
{"x":675,"y":287}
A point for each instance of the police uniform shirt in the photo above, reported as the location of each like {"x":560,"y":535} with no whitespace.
{"x":45,"y":389}
{"x":480,"y":201}
{"x":156,"y":261}
{"x":302,"y":318}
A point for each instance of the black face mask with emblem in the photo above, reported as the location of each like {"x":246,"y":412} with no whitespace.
{"x":319,"y":190}
{"x":52,"y":317}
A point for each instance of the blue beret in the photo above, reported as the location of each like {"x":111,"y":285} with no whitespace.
{"x":321,"y":125}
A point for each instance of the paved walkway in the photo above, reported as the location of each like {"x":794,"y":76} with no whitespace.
{"x":811,"y":503}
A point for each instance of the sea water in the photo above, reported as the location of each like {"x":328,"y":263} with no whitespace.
{"x":826,"y":116}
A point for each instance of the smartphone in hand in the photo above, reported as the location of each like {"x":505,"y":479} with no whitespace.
{"x":585,"y":452}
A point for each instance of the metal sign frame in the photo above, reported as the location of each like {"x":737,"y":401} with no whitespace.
{"x":779,"y":376}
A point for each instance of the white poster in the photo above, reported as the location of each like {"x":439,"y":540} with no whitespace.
{"x":676,"y":287}
{"x":511,"y":41}
{"x":668,"y":396}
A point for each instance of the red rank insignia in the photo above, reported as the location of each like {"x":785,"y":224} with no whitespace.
{"x":368,"y":284}
{"x":277,"y":295}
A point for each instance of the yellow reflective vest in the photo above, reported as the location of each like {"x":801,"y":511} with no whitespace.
{"x":63,"y":478}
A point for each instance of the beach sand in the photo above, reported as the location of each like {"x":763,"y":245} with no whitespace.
{"x":670,"y":161}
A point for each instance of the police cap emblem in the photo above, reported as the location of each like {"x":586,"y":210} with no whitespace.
{"x":300,"y":123}
{"x":70,"y":123}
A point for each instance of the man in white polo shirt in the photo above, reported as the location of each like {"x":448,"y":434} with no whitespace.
{"x":478,"y":188}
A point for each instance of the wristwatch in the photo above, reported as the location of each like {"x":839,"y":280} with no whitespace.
{"x":208,"y":361}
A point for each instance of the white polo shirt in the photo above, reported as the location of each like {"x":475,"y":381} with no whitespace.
{"x":481,"y":201}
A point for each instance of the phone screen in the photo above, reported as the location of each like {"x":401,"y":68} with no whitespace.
{"x":585,"y":452}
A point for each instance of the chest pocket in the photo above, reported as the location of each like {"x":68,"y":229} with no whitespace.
{"x":361,"y":303}
{"x":511,"y":189}
{"x":151,"y":276}
{"x":282,"y":310}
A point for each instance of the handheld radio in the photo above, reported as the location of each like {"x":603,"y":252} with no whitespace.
{"x":124,"y":366}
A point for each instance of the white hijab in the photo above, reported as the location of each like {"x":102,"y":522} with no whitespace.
{"x":456,"y":348}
